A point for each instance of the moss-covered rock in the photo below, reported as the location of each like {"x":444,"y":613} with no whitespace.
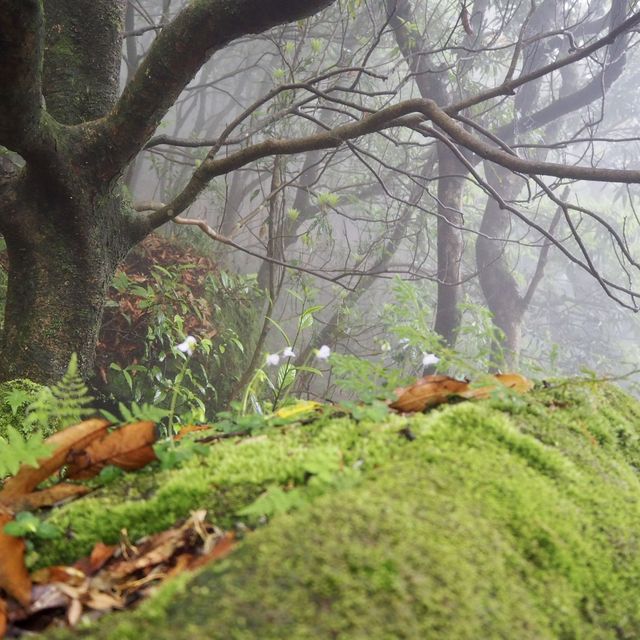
{"x":15,"y":397}
{"x":509,"y":518}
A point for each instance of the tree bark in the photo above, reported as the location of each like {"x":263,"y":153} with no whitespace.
{"x":65,"y":218}
{"x":498,"y":285}
{"x":60,"y":268}
{"x":450,"y":245}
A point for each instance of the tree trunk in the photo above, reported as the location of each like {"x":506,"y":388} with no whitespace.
{"x":450,"y":186}
{"x":61,"y":262}
{"x":499,"y":287}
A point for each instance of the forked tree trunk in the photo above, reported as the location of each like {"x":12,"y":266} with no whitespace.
{"x":62,"y":224}
{"x":64,"y":216}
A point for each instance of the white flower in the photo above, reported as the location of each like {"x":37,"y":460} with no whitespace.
{"x":288,"y":353}
{"x":323,"y":352}
{"x":273,"y":359}
{"x":429,"y":359}
{"x":188,"y":345}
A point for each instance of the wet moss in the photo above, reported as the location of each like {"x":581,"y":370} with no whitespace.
{"x":510,"y":518}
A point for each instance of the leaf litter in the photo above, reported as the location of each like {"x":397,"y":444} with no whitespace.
{"x":118,"y":576}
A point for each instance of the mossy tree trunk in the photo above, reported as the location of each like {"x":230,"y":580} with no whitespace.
{"x":63,"y":212}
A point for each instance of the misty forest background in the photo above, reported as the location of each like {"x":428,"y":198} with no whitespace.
{"x":395,"y":244}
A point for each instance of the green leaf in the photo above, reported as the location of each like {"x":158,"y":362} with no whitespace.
{"x":17,"y":398}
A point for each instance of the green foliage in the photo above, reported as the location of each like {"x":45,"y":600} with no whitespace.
{"x":136,"y":413}
{"x":28,"y":525}
{"x":174,"y":454}
{"x":367,"y":380}
{"x":15,"y":398}
{"x":17,"y":450}
{"x":52,"y":408}
{"x":67,"y":402}
{"x":173,"y":309}
{"x":265,"y":391}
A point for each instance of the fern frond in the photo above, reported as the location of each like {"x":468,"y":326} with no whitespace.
{"x":18,"y":450}
{"x":67,"y":402}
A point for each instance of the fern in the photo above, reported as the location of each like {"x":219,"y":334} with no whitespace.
{"x":137,"y":413}
{"x":17,"y":450}
{"x":67,"y":402}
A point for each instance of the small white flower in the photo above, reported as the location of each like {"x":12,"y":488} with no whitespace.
{"x":288,"y":353}
{"x":323,"y":352}
{"x":188,"y":345}
{"x":273,"y":359}
{"x":429,"y":359}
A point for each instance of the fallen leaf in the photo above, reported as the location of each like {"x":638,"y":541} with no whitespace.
{"x":3,"y":617}
{"x":28,"y":478}
{"x":14,"y":577}
{"x":514,"y":381}
{"x":222,"y":549}
{"x":191,"y":428}
{"x":100,"y":554}
{"x":428,"y":392}
{"x":48,"y":497}
{"x":74,"y":612}
{"x":298,"y":409}
{"x":59,"y":573}
{"x":129,"y":447}
{"x":433,"y":390}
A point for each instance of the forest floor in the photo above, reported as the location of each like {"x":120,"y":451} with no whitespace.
{"x":513,"y":516}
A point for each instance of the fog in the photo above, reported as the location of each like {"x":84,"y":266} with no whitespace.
{"x":408,"y":224}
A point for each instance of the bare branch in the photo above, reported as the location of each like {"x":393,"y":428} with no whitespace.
{"x":179,"y":51}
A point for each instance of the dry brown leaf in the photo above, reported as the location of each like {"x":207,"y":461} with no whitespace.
{"x":159,"y":548}
{"x":129,"y":447}
{"x":222,"y":549}
{"x":74,"y":612}
{"x":14,"y":577}
{"x":3,"y":617}
{"x":428,"y":392}
{"x":48,"y":497}
{"x":100,"y":601}
{"x":100,"y":555}
{"x":191,"y":428}
{"x":433,"y":390}
{"x":28,"y":478}
{"x":513,"y":381}
{"x":59,"y":573}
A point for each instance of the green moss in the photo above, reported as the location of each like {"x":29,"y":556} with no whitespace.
{"x":510,"y":518}
{"x":13,"y":413}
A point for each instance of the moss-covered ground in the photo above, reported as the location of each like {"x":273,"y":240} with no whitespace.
{"x":506,"y":518}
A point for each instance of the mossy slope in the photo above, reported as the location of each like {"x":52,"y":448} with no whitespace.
{"x":502,"y":519}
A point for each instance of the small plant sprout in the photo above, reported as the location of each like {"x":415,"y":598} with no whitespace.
{"x":288,"y":353}
{"x":323,"y":352}
{"x":188,"y":345}
{"x":273,"y":360}
{"x":429,"y":359}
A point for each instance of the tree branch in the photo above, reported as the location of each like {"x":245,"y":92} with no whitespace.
{"x":21,"y":51}
{"x":371,"y":123}
{"x":178,"y":52}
